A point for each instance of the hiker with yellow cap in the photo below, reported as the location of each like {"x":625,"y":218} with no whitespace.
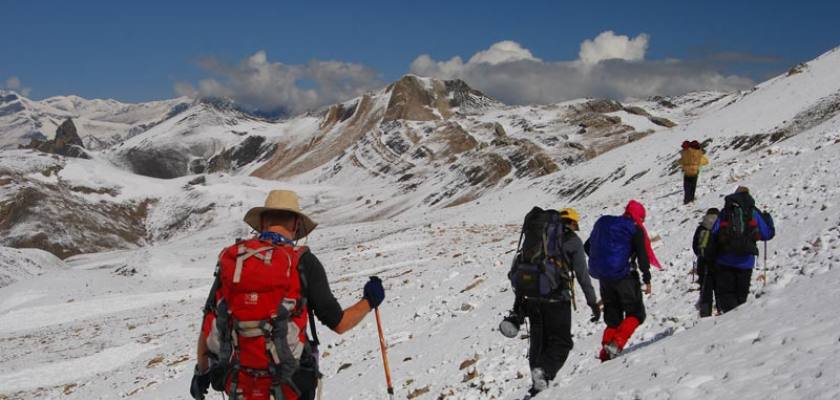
{"x":253,"y":342}
{"x":549,"y":258}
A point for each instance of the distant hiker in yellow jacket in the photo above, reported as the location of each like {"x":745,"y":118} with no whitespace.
{"x":692,"y":157}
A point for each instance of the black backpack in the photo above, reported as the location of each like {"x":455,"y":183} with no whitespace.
{"x":738,"y":228}
{"x":540,"y":266}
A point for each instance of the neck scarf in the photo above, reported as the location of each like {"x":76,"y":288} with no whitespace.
{"x":276,"y":238}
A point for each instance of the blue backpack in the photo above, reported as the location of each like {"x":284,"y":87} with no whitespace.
{"x":539,"y":268}
{"x":610,"y":247}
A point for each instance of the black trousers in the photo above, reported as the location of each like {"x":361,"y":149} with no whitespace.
{"x":551,"y":335}
{"x":706,"y":274}
{"x":622,"y":299}
{"x":732,"y":286}
{"x":689,"y":187}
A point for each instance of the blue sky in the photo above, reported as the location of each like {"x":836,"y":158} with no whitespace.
{"x":135,"y":51}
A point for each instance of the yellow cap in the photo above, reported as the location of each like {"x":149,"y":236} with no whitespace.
{"x":570,"y":214}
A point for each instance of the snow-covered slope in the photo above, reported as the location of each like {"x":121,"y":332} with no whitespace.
{"x":21,"y":264}
{"x":123,"y":324}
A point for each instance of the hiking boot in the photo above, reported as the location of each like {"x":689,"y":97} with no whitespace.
{"x":705,"y":310}
{"x":612,"y":349}
{"x":539,"y":383}
{"x":603,"y":356}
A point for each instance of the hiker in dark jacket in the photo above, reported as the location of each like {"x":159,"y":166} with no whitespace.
{"x":705,"y":262}
{"x":735,"y":253}
{"x":551,"y":318}
{"x":618,"y":249}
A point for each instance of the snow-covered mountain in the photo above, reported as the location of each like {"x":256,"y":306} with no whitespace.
{"x":393,"y":178}
{"x":440,"y":143}
{"x":102,"y":122}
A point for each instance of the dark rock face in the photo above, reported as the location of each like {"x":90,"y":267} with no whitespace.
{"x":66,"y":142}
{"x":10,"y":108}
{"x":158,"y":162}
{"x":463,"y":96}
{"x":251,"y":149}
{"x":198,"y":166}
{"x":663,"y":102}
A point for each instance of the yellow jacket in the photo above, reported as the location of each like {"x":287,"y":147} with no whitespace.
{"x":691,"y":160}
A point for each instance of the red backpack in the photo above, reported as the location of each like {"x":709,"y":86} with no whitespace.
{"x":255,"y":320}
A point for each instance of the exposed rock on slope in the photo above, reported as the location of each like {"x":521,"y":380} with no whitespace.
{"x":66,"y":142}
{"x":187,"y":143}
{"x":415,"y":133}
{"x":40,"y":210}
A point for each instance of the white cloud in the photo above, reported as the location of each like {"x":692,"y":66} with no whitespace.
{"x":258,"y":83}
{"x":609,"y":66}
{"x":14,"y":83}
{"x":608,"y":46}
{"x":501,"y":52}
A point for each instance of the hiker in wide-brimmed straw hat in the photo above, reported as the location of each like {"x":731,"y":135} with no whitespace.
{"x":281,"y":201}
{"x":269,"y":286}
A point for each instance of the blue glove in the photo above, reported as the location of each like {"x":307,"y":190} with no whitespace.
{"x":200,"y":383}
{"x":374,"y":293}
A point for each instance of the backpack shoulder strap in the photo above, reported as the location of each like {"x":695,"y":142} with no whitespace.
{"x":304,"y":287}
{"x":210,"y":303}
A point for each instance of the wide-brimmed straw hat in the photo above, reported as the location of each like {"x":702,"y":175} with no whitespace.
{"x":281,"y":200}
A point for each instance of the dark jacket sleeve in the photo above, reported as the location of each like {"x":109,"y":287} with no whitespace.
{"x":573,"y":247}
{"x":695,"y":243}
{"x":318,"y":294}
{"x":586,"y":247}
{"x":640,"y":250}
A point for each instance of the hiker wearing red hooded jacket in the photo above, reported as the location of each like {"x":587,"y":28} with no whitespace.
{"x":619,"y":248}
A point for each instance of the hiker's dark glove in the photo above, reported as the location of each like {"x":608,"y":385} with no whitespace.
{"x":200,"y":383}
{"x":596,"y":313}
{"x":374,"y":293}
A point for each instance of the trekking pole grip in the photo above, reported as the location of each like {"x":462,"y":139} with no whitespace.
{"x":384,"y":349}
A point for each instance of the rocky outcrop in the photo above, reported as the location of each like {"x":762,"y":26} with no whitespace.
{"x":797,"y":69}
{"x":601,"y":106}
{"x":636,"y":110}
{"x":423,"y":99}
{"x":158,"y":162}
{"x":465,"y":98}
{"x":417,"y":99}
{"x":246,"y":152}
{"x":66,"y":142}
{"x":663,"y":102}
{"x":662,"y":121}
{"x":338,"y":113}
{"x":60,"y":220}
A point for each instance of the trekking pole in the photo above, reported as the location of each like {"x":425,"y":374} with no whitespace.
{"x":693,"y":271}
{"x":765,"y":265}
{"x":384,"y":349}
